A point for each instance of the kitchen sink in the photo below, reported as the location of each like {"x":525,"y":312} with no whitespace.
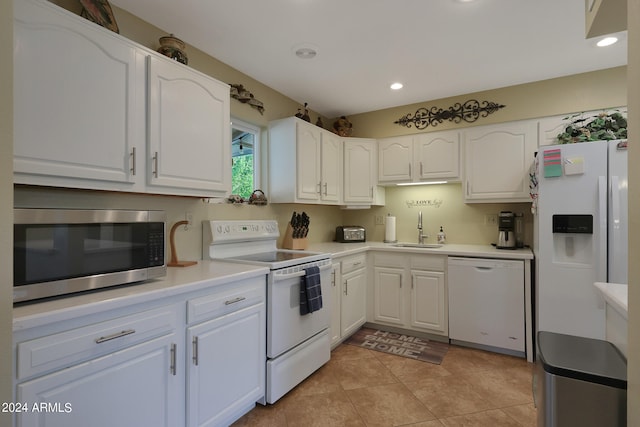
{"x":417,"y":245}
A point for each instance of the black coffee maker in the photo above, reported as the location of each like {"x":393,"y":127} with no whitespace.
{"x":506,"y":230}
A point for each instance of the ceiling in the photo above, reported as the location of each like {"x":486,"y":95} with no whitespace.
{"x":436,"y":48}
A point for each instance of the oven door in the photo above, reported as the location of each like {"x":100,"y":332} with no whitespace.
{"x":286,"y":328}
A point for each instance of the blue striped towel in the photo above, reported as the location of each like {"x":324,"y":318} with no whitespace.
{"x":310,"y":291}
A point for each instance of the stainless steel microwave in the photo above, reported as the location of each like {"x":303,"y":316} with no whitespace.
{"x":63,"y":251}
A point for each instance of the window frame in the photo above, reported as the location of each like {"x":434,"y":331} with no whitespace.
{"x":255,"y":131}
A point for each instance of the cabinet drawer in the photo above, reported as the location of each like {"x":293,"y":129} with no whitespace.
{"x":389,"y":260}
{"x":226,"y":301}
{"x":73,"y":346}
{"x":353,"y":263}
{"x":428,"y":262}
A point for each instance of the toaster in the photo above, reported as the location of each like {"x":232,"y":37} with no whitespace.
{"x":350,"y":233}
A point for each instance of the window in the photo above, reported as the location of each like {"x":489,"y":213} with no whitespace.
{"x":245,"y":142}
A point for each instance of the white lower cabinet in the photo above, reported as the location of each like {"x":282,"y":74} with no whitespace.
{"x":120,"y":371}
{"x":144,"y":366}
{"x":336,"y":294}
{"x":131,"y":387}
{"x":349,"y":287}
{"x":410,"y":292}
{"x":226,"y":358}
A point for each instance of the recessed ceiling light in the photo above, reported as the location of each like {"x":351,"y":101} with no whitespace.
{"x":306,"y":52}
{"x":607,"y":41}
{"x":396,"y":86}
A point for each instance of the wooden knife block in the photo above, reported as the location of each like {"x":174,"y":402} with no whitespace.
{"x":290,"y":243}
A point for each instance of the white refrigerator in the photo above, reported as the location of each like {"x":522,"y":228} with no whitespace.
{"x":580,"y":234}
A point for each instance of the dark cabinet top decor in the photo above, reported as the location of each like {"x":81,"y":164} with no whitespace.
{"x":469,"y":112}
{"x":99,"y":11}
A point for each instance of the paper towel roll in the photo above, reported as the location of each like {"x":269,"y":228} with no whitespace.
{"x":390,"y":230}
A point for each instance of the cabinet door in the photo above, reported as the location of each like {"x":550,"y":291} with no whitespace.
{"x":388,"y":300}
{"x":498,"y":159}
{"x":395,"y":157}
{"x":133,"y":387}
{"x":308,"y":151}
{"x":354,"y":299}
{"x":359,"y":170}
{"x":336,"y":297}
{"x":429,"y":301}
{"x":331,"y":167}
{"x":79,"y":102}
{"x":549,"y":128}
{"x":437,"y":155}
{"x":226,"y":372}
{"x":189,"y":131}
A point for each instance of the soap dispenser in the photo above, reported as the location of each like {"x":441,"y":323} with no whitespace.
{"x":441,"y":236}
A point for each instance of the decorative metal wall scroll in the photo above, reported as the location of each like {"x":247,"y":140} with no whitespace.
{"x":469,"y":112}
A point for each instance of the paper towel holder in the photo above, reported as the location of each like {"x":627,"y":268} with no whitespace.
{"x":390,"y":230}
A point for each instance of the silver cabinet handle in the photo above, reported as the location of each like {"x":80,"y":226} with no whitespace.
{"x":346,"y":288}
{"x":172,"y":368}
{"x":421,"y":169}
{"x":409,"y":170}
{"x":319,"y":191}
{"x":194,"y":348}
{"x":333,"y":278}
{"x":133,"y":161}
{"x":325,"y":188}
{"x":155,"y":164}
{"x":235,"y":300}
{"x":114,"y":336}
{"x":372,"y":192}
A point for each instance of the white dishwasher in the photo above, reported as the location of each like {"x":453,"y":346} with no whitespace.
{"x":486,"y":303}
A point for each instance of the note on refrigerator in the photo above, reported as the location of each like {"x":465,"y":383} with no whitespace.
{"x":573,"y":165}
{"x":552,"y":163}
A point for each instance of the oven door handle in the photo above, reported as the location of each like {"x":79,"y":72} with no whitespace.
{"x":298,"y":273}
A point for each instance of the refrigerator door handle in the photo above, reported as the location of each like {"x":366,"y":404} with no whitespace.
{"x":601,"y":265}
{"x":615,"y":208}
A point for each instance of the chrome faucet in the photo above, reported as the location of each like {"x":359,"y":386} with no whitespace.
{"x":420,"y":235}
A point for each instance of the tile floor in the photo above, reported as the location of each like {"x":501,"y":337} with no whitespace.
{"x":360,"y":387}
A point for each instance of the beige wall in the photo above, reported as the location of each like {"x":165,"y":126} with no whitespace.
{"x":580,"y":92}
{"x":6,"y":204}
{"x":633,"y":81}
{"x":441,"y":205}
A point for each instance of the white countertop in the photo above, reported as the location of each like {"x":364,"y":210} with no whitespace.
{"x":178,"y":280}
{"x":616,"y":295}
{"x":485,"y":251}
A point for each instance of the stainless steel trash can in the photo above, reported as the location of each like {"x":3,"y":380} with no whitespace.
{"x":579,"y":382}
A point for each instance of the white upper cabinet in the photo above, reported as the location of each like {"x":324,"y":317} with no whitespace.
{"x":189,"y":131}
{"x":359,"y":170}
{"x":437,"y":156}
{"x":331,"y":167}
{"x":421,"y":157}
{"x":89,"y":112}
{"x":305,"y":163}
{"x":78,"y":103}
{"x":549,"y":128}
{"x":498,"y":159}
{"x":395,"y":159}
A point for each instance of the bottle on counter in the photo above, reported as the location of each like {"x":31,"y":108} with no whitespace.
{"x":441,"y":236}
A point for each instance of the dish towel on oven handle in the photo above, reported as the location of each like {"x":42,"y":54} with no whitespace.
{"x":310,"y":291}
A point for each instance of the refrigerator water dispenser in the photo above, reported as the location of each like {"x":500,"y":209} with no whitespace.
{"x":573,"y":239}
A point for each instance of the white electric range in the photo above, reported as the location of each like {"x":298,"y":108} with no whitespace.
{"x":297,"y":345}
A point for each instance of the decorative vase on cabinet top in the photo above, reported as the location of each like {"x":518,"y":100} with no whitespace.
{"x":173,"y":47}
